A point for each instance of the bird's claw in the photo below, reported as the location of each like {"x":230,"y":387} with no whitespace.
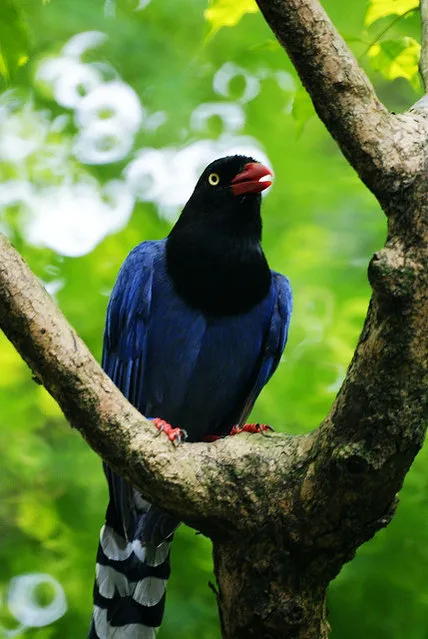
{"x":175,"y":435}
{"x":251,"y":428}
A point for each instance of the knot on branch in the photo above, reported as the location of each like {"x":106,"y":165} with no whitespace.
{"x":392,"y":274}
{"x":352,"y":462}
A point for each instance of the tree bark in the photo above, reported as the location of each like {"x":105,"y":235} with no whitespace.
{"x":266,"y":591}
{"x":284,"y":513}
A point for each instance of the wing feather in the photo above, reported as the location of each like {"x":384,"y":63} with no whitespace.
{"x":275,"y":340}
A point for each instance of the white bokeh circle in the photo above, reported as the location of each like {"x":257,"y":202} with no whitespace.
{"x":23,"y":604}
{"x":231,"y":115}
{"x":68,"y":79}
{"x":103,"y":143}
{"x":224,"y":76}
{"x":114,"y":102}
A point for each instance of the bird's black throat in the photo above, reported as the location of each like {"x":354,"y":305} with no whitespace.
{"x":218,"y":268}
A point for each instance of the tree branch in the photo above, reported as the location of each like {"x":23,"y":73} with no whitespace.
{"x":373,"y":140}
{"x":179,"y":478}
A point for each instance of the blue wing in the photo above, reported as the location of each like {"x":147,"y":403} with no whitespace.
{"x":127,"y":321}
{"x":124,"y":354}
{"x":275,"y":340}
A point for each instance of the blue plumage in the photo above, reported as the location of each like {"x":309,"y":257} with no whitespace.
{"x":197,"y":369}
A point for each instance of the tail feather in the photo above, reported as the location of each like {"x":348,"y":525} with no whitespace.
{"x":101,"y":628}
{"x":132,"y":565}
{"x":130,"y":584}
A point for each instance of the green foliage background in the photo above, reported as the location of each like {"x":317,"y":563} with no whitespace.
{"x":321,"y":227}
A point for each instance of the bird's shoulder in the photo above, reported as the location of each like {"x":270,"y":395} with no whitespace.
{"x":283,"y":293}
{"x":129,"y":306}
{"x":281,"y":312}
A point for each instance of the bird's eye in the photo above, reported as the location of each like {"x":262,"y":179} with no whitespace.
{"x":213,"y":179}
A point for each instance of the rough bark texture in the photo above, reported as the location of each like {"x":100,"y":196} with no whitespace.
{"x":284,"y":513}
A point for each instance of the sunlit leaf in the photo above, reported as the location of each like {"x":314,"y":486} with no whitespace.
{"x":37,"y":519}
{"x":378,"y":9}
{"x":302,"y":109}
{"x":227,"y":13}
{"x":14,"y":41}
{"x":266,"y":45}
{"x":397,"y":58}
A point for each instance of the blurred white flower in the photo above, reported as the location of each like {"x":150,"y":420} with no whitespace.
{"x":114,"y":102}
{"x":67,"y":79}
{"x":15,"y":192}
{"x":8,"y":633}
{"x":10,"y":102}
{"x":231,"y":115}
{"x":24,"y":606}
{"x":103,"y":143}
{"x":155,"y":120}
{"x":59,"y":123}
{"x":142,"y":5}
{"x":150,"y":173}
{"x":285,"y":81}
{"x":73,"y":218}
{"x":82,"y":42}
{"x":227,"y":73}
{"x":54,"y":286}
{"x":21,"y":135}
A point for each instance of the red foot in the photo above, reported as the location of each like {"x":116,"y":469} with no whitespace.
{"x":250,"y":428}
{"x":176,"y":435}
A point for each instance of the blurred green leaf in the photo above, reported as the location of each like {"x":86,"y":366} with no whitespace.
{"x":397,"y":58}
{"x":266,"y":45}
{"x":378,"y":9}
{"x":303,"y":109}
{"x":227,"y":13}
{"x":14,"y":40}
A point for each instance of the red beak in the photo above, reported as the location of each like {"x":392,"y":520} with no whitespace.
{"x":250,"y":179}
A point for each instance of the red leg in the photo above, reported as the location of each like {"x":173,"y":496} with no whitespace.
{"x":174,"y":434}
{"x":250,"y":428}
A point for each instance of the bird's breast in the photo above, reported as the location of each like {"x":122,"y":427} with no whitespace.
{"x":218,"y":280}
{"x":199,"y":366}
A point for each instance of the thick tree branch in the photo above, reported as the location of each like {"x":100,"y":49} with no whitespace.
{"x":179,"y":478}
{"x":373,"y":140}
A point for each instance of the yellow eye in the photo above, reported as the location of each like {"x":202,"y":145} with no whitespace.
{"x":213,"y":179}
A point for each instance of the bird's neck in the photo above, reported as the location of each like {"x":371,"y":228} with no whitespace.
{"x":218,"y":273}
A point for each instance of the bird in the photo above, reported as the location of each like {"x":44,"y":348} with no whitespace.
{"x":196,"y":325}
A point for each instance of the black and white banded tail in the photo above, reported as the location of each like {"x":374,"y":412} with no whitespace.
{"x":131,"y":571}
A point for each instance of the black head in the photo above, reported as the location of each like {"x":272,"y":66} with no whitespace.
{"x":236,"y":175}
{"x":214,"y":255}
{"x":228,"y":195}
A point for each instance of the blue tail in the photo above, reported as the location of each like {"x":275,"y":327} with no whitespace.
{"x":133,"y":565}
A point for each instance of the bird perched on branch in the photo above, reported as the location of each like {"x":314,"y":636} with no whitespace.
{"x":196,"y":326}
